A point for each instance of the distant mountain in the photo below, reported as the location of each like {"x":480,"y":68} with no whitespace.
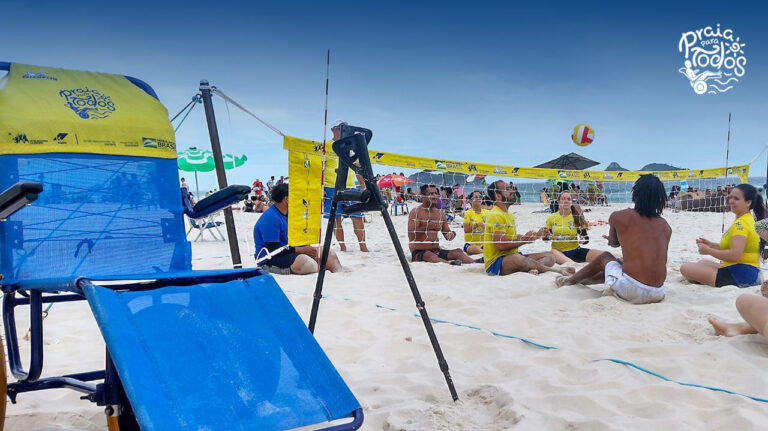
{"x":615,"y":167}
{"x":660,"y":167}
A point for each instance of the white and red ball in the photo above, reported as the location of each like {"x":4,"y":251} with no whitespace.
{"x":583,"y":135}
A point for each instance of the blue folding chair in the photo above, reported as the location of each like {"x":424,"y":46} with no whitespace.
{"x":186,"y":350}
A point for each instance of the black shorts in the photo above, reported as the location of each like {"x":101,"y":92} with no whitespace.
{"x":578,"y":254}
{"x":418,"y":255}
{"x":282,"y":261}
{"x":740,"y":275}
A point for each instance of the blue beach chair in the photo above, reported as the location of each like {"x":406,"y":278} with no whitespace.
{"x":186,"y":350}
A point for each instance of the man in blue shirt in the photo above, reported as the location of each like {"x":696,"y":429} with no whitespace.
{"x":271,"y":234}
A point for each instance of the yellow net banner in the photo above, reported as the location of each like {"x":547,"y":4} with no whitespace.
{"x":52,"y":110}
{"x":305,"y":201}
{"x":415,"y":162}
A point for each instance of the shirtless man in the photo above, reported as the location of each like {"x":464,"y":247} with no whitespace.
{"x":644,"y":239}
{"x":424,"y":223}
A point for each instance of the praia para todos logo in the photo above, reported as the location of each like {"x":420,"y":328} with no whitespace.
{"x":714,"y":59}
{"x":88,"y":104}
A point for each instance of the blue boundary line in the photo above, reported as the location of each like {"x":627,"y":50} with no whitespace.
{"x":544,"y":346}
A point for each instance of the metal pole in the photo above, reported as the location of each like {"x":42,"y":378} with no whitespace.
{"x":218,"y":160}
{"x":323,"y":262}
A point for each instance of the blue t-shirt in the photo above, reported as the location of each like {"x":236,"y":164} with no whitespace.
{"x":272,"y":226}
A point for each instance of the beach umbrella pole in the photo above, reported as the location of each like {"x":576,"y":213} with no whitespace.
{"x":197,"y":188}
{"x":234,"y":249}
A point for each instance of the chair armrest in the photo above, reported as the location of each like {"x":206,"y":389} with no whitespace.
{"x":18,"y":195}
{"x":221,"y":199}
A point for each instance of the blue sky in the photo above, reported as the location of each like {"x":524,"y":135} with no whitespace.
{"x":483,"y":81}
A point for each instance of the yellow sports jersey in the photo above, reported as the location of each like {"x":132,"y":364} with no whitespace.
{"x":331,"y":163}
{"x":476,"y":236}
{"x":497,"y":220}
{"x":743,"y":226}
{"x":566,"y":236}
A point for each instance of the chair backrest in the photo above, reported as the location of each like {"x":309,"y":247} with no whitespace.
{"x":104,"y":150}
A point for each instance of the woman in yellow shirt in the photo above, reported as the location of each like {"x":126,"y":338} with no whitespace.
{"x":568,"y":232}
{"x":474,"y":224}
{"x":738,"y":249}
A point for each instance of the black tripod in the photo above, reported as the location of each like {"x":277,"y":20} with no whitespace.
{"x":352,"y":150}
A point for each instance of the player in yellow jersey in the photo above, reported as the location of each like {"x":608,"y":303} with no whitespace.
{"x":474,"y":224}
{"x":501,"y":241}
{"x":328,"y":188}
{"x":738,"y":249}
{"x":567,"y":228}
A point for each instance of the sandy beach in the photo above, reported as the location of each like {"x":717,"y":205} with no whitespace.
{"x":368,"y":328}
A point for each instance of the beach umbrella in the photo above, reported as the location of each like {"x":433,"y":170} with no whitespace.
{"x":394,"y":180}
{"x":569,"y":161}
{"x":196,"y":160}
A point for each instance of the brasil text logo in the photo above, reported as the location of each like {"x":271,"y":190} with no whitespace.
{"x":88,"y":104}
{"x":39,"y":75}
{"x":714,"y":59}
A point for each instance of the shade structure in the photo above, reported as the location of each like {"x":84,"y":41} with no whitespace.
{"x":196,"y":160}
{"x":392,"y":180}
{"x":569,"y":161}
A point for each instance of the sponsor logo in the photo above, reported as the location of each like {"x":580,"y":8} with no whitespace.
{"x":498,"y":170}
{"x":88,"y":104}
{"x":472,"y":168}
{"x":561,"y":174}
{"x":21,"y":138}
{"x":515,"y":170}
{"x":691,"y":174}
{"x":60,"y":137}
{"x":440,"y":164}
{"x":38,"y":75}
{"x":713,"y":59}
{"x":586,"y":175}
{"x":317,"y":148}
{"x":158,"y":143}
{"x":378,"y":156}
{"x":606,"y":175}
{"x":619,"y":175}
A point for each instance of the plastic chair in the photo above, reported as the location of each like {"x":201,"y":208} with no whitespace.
{"x":402,"y":206}
{"x":188,"y":350}
{"x":202,"y":214}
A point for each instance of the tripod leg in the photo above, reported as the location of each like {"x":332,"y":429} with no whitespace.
{"x":419,"y":303}
{"x":321,"y":272}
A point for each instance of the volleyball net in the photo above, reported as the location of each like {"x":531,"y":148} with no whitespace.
{"x":401,"y":178}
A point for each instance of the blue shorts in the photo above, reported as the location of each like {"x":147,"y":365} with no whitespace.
{"x":468,"y":245}
{"x":495,"y":268}
{"x":327,"y":205}
{"x":739,"y":274}
{"x":578,"y":254}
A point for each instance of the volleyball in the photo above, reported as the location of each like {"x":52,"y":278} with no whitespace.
{"x":583,"y":135}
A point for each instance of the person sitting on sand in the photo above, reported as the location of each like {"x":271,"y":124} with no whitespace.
{"x":474,"y":224}
{"x":738,"y":249}
{"x":567,"y":228}
{"x":424,"y":223}
{"x":501,"y":241}
{"x":271,"y":233}
{"x":754,"y":310}
{"x":644,"y":238}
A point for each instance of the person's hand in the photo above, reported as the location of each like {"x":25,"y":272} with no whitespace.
{"x":450,"y":235}
{"x":530,"y":236}
{"x":612,"y":244}
{"x":704,"y":241}
{"x":703,"y":248}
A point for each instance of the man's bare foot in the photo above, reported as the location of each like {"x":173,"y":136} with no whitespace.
{"x":567,"y":270}
{"x":764,"y":288}
{"x":534,"y":272}
{"x":561,"y":281}
{"x":731,"y":329}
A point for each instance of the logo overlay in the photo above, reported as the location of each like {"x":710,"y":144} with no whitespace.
{"x":88,"y":104}
{"x":714,"y":59}
{"x":39,"y":75}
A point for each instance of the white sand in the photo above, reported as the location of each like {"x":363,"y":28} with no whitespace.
{"x":386,"y":358}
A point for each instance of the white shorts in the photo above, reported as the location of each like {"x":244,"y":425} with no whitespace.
{"x":627,"y":288}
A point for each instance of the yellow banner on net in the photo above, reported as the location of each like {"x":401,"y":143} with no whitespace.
{"x":51,"y":110}
{"x":305,"y":170}
{"x":477,"y":168}
{"x":305,"y":202}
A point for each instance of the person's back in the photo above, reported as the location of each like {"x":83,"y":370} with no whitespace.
{"x":644,"y":243}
